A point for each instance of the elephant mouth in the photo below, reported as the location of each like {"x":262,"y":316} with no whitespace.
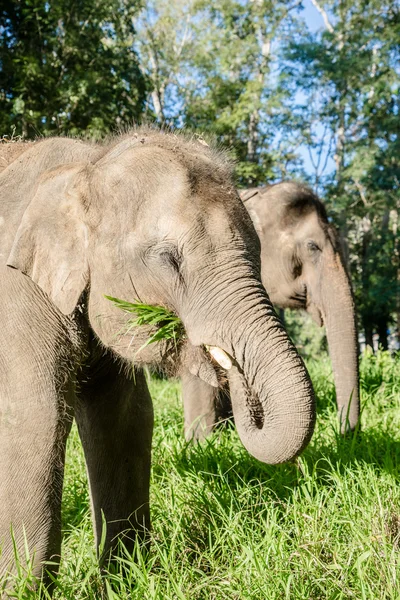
{"x":298,"y":300}
{"x":209,"y":363}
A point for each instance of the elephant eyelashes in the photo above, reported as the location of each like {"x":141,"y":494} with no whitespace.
{"x":313,"y":247}
{"x":172,"y":258}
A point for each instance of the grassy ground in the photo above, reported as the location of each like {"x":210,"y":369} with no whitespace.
{"x":228,"y":527}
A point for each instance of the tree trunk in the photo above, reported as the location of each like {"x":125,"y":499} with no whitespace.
{"x":24,"y":127}
{"x":158,"y":109}
{"x":382,"y":324}
{"x":398,"y":311}
{"x":252,"y":139}
{"x":368,"y":332}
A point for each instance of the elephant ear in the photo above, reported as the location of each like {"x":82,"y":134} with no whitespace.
{"x":50,"y":245}
{"x":248,"y":193}
{"x":250,"y":198}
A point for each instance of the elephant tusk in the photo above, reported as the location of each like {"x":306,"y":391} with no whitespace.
{"x":220,"y":356}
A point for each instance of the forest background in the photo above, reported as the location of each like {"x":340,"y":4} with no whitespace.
{"x":293,"y":89}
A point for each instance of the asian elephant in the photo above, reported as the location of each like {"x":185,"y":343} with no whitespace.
{"x":301,"y":267}
{"x":147,"y":215}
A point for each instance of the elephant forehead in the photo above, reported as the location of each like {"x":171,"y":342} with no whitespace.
{"x":309,"y":225}
{"x":286,"y":239}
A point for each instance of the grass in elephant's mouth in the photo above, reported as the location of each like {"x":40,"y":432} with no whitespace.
{"x":163,"y":323}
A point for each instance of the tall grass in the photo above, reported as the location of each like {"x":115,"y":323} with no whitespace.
{"x":228,"y":527}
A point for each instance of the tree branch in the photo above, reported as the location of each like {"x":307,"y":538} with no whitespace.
{"x":362,"y":193}
{"x":324,"y":15}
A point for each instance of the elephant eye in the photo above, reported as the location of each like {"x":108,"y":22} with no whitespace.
{"x":171,"y":257}
{"x":312,"y":246}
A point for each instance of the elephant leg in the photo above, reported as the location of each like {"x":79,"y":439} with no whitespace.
{"x":34,"y":427}
{"x":204,"y":406}
{"x":114,"y":415}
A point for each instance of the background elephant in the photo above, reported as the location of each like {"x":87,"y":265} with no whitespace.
{"x":301,"y":267}
{"x":147,"y":216}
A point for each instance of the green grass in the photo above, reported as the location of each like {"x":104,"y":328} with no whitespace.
{"x":227,"y":527}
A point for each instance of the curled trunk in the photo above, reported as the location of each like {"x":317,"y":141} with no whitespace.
{"x":272,"y":396}
{"x":271,"y":392}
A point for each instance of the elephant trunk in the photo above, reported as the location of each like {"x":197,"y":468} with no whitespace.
{"x":339,"y":316}
{"x":271,"y":392}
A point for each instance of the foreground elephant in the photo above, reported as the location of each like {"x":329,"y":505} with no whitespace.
{"x":301,"y":267}
{"x":148,"y":215}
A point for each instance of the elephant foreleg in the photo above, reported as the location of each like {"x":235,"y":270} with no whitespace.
{"x":114,"y":414}
{"x":33,"y":433}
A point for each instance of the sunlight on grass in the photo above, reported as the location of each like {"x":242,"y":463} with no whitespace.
{"x":228,"y":527}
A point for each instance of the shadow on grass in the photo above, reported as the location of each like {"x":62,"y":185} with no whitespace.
{"x":225,"y":459}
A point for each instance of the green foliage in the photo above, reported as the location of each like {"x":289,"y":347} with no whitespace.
{"x":349,"y":78}
{"x":309,"y":339}
{"x":68,"y":67}
{"x":228,"y":527}
{"x":163,"y":324}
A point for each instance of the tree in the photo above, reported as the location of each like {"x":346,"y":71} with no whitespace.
{"x":212,"y":67}
{"x":165,"y":42}
{"x":68,"y":66}
{"x":349,"y":77}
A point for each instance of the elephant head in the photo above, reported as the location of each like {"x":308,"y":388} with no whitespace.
{"x":156,"y":217}
{"x":302,"y":267}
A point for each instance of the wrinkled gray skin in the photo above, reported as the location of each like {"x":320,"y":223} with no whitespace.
{"x":148,"y":215}
{"x":301,"y":267}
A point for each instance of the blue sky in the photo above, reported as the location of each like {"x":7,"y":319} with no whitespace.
{"x":312,"y":16}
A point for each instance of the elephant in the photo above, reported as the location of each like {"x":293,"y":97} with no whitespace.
{"x":10,"y":150}
{"x":147,"y":215}
{"x":301,"y":268}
